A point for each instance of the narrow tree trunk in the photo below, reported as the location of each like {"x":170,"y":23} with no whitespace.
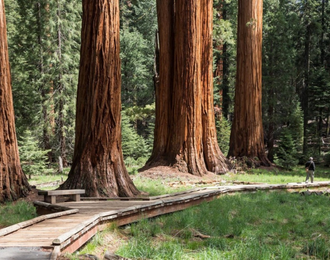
{"x":222,"y":66}
{"x":218,"y":72}
{"x":271,"y":100}
{"x":164,"y":88}
{"x":271,"y":125}
{"x":13,"y":182}
{"x":324,"y":32}
{"x":98,"y":164}
{"x":305,"y":93}
{"x":214,"y":158}
{"x":247,"y":139}
{"x":60,"y":89}
{"x":47,"y":121}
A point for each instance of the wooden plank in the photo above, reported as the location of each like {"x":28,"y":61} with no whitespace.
{"x":50,"y":207}
{"x":61,"y":192}
{"x":80,"y":241}
{"x":13,"y":228}
{"x":58,"y":241}
{"x":50,"y":195}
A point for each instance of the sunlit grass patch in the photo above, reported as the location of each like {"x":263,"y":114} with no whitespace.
{"x":156,"y":187}
{"x":261,"y":225}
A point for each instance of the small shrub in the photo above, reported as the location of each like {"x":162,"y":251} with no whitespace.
{"x":33,"y":158}
{"x":223,"y":134}
{"x":133,"y":145}
{"x":286,"y":154}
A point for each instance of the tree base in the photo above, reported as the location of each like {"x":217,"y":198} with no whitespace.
{"x":244,"y":162}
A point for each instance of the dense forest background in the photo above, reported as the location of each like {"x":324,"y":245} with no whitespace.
{"x":44,"y":48}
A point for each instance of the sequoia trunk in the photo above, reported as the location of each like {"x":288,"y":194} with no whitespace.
{"x":13,"y":182}
{"x":98,"y":164}
{"x":246,"y":138}
{"x":185,"y":134}
{"x":186,"y":141}
{"x":214,"y":158}
{"x":165,"y":14}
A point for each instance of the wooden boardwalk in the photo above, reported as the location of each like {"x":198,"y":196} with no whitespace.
{"x":48,"y":236}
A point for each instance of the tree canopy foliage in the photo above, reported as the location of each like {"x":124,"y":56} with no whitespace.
{"x":44,"y":46}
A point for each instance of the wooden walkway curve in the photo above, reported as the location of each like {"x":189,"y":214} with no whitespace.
{"x":48,"y":236}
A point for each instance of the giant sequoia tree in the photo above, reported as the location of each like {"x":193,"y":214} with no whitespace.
{"x":247,"y":137}
{"x":13,"y":182}
{"x":185,"y":133}
{"x":98,"y":163}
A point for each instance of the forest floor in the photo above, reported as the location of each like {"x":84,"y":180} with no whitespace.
{"x":167,"y":172}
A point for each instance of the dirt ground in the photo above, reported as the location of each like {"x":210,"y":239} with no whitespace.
{"x":168,"y":173}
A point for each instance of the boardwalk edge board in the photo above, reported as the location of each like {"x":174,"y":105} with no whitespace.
{"x":77,"y":229}
{"x":144,"y":198}
{"x":13,"y":228}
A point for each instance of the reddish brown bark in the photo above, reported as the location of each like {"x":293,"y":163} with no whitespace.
{"x":98,"y":164}
{"x":185,"y":134}
{"x":214,"y":158}
{"x":247,"y":132}
{"x":186,"y":142}
{"x":164,"y":88}
{"x":13,"y":182}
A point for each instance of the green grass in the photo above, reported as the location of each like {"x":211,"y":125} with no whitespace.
{"x":38,"y":179}
{"x":244,"y":226}
{"x":262,"y":225}
{"x":160,"y":186}
{"x":156,"y":187}
{"x":275,"y":176}
{"x":12,"y":213}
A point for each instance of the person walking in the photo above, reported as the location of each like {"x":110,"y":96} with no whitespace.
{"x":310,"y":168}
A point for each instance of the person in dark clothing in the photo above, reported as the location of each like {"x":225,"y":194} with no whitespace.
{"x":310,"y":168}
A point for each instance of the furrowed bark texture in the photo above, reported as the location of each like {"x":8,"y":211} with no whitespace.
{"x":185,"y":135}
{"x":13,"y":182}
{"x":247,"y":131}
{"x":98,"y":164}
{"x":214,"y":158}
{"x":165,"y":15}
{"x":186,"y":143}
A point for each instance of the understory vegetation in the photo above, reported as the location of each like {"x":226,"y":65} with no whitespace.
{"x":45,"y":83}
{"x":12,"y":213}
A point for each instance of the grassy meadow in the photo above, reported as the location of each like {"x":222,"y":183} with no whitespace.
{"x":260,"y":225}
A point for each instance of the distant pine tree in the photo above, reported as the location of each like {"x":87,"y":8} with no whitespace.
{"x":286,"y":155}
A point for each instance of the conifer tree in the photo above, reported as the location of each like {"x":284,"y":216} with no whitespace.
{"x":246,"y":138}
{"x":98,"y":165}
{"x":279,"y":73}
{"x":185,"y":128}
{"x":45,"y":68}
{"x":13,"y":182}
